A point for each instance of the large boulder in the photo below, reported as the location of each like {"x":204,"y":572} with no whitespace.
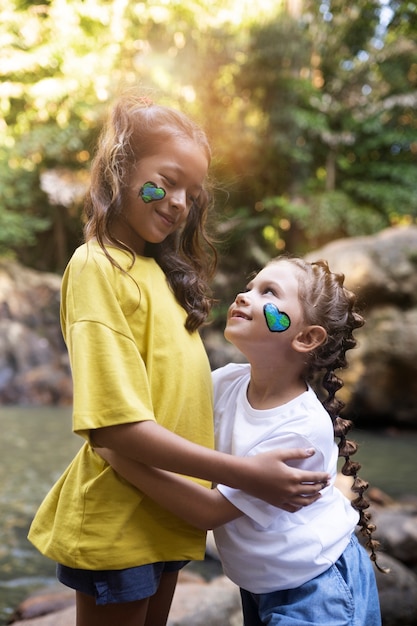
{"x":397,"y":593}
{"x":34,"y":368}
{"x":382,"y":270}
{"x":397,"y":531}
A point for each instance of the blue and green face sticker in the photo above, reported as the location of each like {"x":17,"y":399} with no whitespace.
{"x":276,"y":320}
{"x":150,"y":192}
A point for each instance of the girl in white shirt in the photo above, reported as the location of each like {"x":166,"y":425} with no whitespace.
{"x":294,"y":320}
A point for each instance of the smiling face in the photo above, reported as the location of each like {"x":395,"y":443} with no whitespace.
{"x":177,"y":170}
{"x":273,"y":292}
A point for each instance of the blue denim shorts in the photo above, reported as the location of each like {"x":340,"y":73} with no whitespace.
{"x":344,"y":595}
{"x":116,"y":586}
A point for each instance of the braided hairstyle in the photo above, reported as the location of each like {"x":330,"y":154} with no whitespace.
{"x":327,"y":303}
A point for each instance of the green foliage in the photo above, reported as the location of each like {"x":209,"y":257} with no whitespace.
{"x":20,"y":229}
{"x":19,"y":193}
{"x":311,"y":115}
{"x":336,"y":154}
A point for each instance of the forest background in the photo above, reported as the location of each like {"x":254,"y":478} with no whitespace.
{"x":310,"y":106}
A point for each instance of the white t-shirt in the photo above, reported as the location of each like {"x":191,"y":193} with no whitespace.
{"x":269,"y":549}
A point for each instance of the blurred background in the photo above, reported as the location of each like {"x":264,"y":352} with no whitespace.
{"x":310,"y":107}
{"x":311,"y":110}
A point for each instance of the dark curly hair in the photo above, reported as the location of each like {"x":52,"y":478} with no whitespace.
{"x":327,"y":303}
{"x":187,"y":257}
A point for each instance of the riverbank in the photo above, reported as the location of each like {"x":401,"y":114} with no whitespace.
{"x":199,"y":601}
{"x":37,"y":444}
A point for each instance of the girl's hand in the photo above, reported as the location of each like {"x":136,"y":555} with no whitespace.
{"x":283,"y":486}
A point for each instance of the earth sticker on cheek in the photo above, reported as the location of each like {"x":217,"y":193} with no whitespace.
{"x":276,"y":320}
{"x":149,"y":192}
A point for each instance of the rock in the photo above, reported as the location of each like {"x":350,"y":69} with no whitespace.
{"x":65,"y":617}
{"x":196,"y":603}
{"x":34,"y":367}
{"x":386,"y":364}
{"x":377,"y":496}
{"x":381,"y":269}
{"x":215,"y":603}
{"x":397,"y":593}
{"x":397,"y":531}
{"x":44,"y":602}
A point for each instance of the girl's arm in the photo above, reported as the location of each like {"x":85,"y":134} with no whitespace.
{"x":197,"y":505}
{"x":265,"y":476}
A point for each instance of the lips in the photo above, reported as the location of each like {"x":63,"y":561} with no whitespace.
{"x":241,"y":314}
{"x":168,"y":219}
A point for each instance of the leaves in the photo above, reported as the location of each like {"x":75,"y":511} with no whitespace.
{"x":311,"y":113}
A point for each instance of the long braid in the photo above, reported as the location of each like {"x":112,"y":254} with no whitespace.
{"x":326,"y":302}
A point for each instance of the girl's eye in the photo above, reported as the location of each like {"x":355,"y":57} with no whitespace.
{"x":269,"y":290}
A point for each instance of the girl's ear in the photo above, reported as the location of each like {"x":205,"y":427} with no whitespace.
{"x":309,"y":339}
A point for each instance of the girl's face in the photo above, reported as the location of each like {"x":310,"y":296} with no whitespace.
{"x":151,"y":212}
{"x":269,"y":311}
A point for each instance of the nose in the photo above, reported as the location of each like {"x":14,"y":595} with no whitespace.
{"x":242,"y":298}
{"x":178,"y":200}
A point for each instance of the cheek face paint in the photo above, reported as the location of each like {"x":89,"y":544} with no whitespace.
{"x":150,"y":192}
{"x":276,"y":320}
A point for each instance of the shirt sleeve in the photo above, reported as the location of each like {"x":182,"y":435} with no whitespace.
{"x":110,"y":380}
{"x":260,"y":511}
{"x":109,"y":376}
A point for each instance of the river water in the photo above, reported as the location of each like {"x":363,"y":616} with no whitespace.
{"x":37,"y":444}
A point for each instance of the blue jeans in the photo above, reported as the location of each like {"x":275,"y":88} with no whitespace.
{"x":344,"y":595}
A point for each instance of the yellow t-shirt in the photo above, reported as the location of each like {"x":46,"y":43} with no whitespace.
{"x":132,"y":359}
